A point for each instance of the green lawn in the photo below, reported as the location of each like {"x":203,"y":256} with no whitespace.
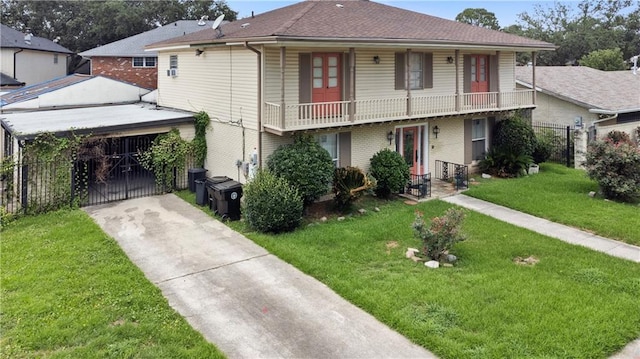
{"x":68,"y":291}
{"x":575,"y":303}
{"x":560,"y":194}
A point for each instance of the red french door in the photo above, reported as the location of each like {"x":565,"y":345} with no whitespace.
{"x":411,"y":148}
{"x":326,"y":81}
{"x":479,"y":73}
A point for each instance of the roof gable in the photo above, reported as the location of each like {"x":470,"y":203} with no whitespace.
{"x":134,"y":45}
{"x":10,"y":38}
{"x":354,"y":20}
{"x":585,"y":86}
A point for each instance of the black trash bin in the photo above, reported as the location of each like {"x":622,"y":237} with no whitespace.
{"x":227,"y":198}
{"x":195,"y":174}
{"x":211,"y":185}
{"x":202,"y":196}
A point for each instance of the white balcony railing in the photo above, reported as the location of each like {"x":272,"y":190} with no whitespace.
{"x":329,"y":114}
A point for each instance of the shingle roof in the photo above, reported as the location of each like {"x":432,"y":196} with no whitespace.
{"x":6,"y":80}
{"x":355,"y":20}
{"x":10,"y":38}
{"x":134,"y":45}
{"x":585,"y":86}
{"x":33,"y":91}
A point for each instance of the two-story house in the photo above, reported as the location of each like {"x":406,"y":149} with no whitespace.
{"x":26,"y":59}
{"x":359,"y":75}
{"x":126,"y":60}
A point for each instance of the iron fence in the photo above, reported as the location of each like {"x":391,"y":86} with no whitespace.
{"x":560,"y":138}
{"x":453,"y":172}
{"x":32,"y":186}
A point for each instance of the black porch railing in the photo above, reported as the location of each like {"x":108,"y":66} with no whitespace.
{"x":453,"y":172}
{"x":419,"y":185}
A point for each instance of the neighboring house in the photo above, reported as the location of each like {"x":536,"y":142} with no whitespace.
{"x":71,"y":91}
{"x":572,"y":94}
{"x":30,"y":59}
{"x":126,"y":59}
{"x":359,"y":75}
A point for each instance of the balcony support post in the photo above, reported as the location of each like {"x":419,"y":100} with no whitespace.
{"x":283,"y":63}
{"x":457,"y":60}
{"x":352,"y":83}
{"x":497,"y":77}
{"x":407,"y":76}
{"x":533,"y":75}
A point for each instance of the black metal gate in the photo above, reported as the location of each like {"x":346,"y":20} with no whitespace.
{"x":117,"y":174}
{"x":561,"y":139}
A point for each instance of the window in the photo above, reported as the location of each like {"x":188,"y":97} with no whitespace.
{"x":420,"y":71}
{"x":55,"y":58}
{"x":416,"y":70}
{"x":173,"y":61}
{"x":330,"y":143}
{"x":478,"y":139}
{"x":144,"y":62}
{"x":8,"y":144}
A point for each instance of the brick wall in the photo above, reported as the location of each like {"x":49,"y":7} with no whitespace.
{"x":121,"y":68}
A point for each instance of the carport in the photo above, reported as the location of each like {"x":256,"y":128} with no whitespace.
{"x":125,"y":130}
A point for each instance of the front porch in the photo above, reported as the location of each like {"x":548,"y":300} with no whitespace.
{"x":279,"y":118}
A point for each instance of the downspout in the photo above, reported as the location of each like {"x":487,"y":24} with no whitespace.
{"x":259,"y":119}
{"x":14,"y":62}
{"x":533,"y":76}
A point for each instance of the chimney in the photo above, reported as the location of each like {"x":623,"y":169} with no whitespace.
{"x":28,"y":36}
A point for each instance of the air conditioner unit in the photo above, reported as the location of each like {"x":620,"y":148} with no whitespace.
{"x":172,"y":72}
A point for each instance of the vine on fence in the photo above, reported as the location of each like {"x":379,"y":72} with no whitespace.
{"x":168,"y":152}
{"x":201,"y":122}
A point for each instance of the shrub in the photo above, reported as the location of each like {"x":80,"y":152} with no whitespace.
{"x":305,"y":165}
{"x":390,"y":171}
{"x":441,"y":234}
{"x":505,"y":164}
{"x":616,"y":168}
{"x":348,"y":184}
{"x":619,"y":136}
{"x":545,"y":143}
{"x":271,"y":204}
{"x":514,"y":142}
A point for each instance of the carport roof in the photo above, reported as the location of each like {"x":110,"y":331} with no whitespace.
{"x":91,"y":120}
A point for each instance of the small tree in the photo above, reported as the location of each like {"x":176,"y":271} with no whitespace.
{"x":615,"y":164}
{"x":605,"y":60}
{"x":441,"y":234}
{"x":390,"y":171}
{"x":305,"y":165}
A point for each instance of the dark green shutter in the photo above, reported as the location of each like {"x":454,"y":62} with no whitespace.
{"x":304,"y":78}
{"x":400,"y":71}
{"x":428,"y":71}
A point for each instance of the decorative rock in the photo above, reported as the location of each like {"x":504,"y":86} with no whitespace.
{"x":447,"y":265}
{"x":323,"y":219}
{"x":432,"y":264}
{"x":472,"y":179}
{"x":451,"y":258}
{"x":362,"y":211}
{"x":340,"y":219}
{"x":376,"y":209}
{"x":484,"y":175}
{"x":592,"y":194}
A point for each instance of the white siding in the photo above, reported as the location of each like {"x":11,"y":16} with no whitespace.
{"x":551,"y":109}
{"x":33,"y":67}
{"x":6,"y":61}
{"x":223,"y":82}
{"x":377,"y":80}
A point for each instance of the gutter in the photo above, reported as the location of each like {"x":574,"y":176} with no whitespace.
{"x":604,"y":119}
{"x":612,"y":112}
{"x":14,"y":61}
{"x":259,"y":119}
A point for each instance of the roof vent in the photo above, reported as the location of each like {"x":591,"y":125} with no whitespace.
{"x":340,"y":5}
{"x":203,"y":20}
{"x":246,"y":24}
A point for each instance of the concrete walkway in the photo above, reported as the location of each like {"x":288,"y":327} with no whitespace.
{"x":548,"y":228}
{"x":246,"y":301}
{"x":561,"y":232}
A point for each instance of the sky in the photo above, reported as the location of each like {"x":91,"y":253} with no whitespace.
{"x":506,"y":11}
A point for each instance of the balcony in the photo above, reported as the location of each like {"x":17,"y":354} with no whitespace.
{"x":305,"y":116}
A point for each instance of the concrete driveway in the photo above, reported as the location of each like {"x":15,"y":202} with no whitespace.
{"x":241,"y":298}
